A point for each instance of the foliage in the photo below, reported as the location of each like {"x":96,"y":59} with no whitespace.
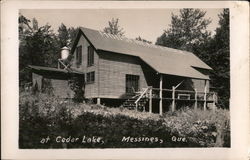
{"x":72,"y":35}
{"x":37,"y":46}
{"x":143,"y":40}
{"x":186,"y":30}
{"x":66,"y":36}
{"x":76,"y":83}
{"x":50,"y":116}
{"x":63,"y":36}
{"x":114,"y":28}
{"x":216,"y":53}
{"x":220,"y":59}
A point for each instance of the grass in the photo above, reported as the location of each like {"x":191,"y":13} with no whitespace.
{"x":51,"y":116}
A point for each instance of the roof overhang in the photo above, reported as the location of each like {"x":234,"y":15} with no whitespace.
{"x":54,"y":72}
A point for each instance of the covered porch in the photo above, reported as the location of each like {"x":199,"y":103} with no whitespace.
{"x":170,"y":93}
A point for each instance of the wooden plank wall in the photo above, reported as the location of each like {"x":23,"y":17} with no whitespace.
{"x":199,"y":84}
{"x":61,"y":88}
{"x":91,"y":89}
{"x":113,"y":68}
{"x":36,"y":78}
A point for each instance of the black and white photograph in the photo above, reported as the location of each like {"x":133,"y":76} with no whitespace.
{"x":148,"y":79}
{"x":124,"y":78}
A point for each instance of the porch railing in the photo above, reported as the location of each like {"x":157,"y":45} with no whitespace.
{"x":143,"y":94}
{"x":175,"y":95}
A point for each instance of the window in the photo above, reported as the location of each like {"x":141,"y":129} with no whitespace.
{"x":90,"y":56}
{"x":132,"y":83}
{"x":79,"y":55}
{"x":90,"y":77}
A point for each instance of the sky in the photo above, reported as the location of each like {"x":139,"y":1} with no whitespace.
{"x":146,"y":23}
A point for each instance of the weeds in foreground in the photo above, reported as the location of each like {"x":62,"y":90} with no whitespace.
{"x":42,"y":115}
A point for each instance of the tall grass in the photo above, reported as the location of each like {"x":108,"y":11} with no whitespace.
{"x":42,"y":115}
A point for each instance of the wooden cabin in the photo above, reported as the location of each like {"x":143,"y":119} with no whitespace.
{"x":115,"y":67}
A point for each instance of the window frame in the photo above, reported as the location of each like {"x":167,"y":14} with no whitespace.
{"x":78,"y":55}
{"x":133,"y":79}
{"x":90,"y":60}
{"x":90,"y":77}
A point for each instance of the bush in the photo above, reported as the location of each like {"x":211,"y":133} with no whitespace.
{"x":76,"y":85}
{"x":42,"y":116}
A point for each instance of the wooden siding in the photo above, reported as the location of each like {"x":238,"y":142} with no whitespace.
{"x":199,"y":84}
{"x":37,"y":79}
{"x":113,"y":69}
{"x":91,"y":89}
{"x":60,"y":87}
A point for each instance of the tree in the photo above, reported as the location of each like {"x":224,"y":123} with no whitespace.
{"x":23,"y":25}
{"x":186,"y":30}
{"x":114,"y":28}
{"x":219,"y":59}
{"x":63,"y":36}
{"x":72,"y":35}
{"x":215,"y":52}
{"x":37,"y":46}
{"x":143,"y":40}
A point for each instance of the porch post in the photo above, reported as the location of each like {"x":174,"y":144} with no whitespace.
{"x":195,"y":98}
{"x":58,"y":65}
{"x":173,"y":99}
{"x":98,"y":101}
{"x":150,"y":100}
{"x":214,"y":106}
{"x":205,"y":96}
{"x":160,"y":103}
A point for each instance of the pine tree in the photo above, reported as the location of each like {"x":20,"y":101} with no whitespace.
{"x":186,"y":30}
{"x":72,"y":35}
{"x":63,"y":36}
{"x":219,"y":59}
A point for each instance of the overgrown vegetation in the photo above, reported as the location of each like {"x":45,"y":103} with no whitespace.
{"x":43,"y":116}
{"x":76,"y":84}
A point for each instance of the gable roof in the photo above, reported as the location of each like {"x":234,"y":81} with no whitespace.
{"x":164,"y":60}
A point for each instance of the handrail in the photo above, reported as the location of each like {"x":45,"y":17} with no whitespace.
{"x":142,"y":94}
{"x":162,"y":89}
{"x":186,"y":91}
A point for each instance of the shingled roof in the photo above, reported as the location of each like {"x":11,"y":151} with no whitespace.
{"x":164,"y":60}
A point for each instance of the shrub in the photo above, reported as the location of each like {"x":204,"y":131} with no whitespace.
{"x":42,"y":115}
{"x":76,"y":84}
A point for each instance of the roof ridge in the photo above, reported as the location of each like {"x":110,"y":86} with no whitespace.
{"x":134,"y":41}
{"x":124,"y":38}
{"x":131,"y":40}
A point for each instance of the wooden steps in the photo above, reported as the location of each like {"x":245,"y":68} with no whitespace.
{"x":130,"y":103}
